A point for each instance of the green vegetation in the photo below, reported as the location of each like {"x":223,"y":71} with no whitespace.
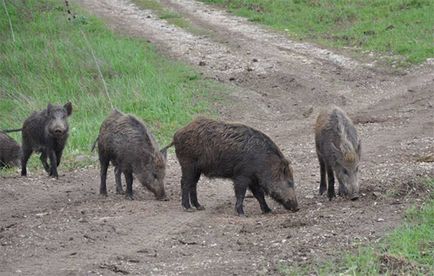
{"x":50,"y":61}
{"x":394,"y":27}
{"x":170,"y":16}
{"x":409,"y":249}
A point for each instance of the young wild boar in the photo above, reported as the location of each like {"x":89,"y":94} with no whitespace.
{"x":234,"y":151}
{"x":46,"y":132}
{"x":10,"y":151}
{"x":338,"y":148}
{"x":125,"y":141}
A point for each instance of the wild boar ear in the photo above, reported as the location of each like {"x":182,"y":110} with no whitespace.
{"x":336,"y":151}
{"x":68,"y":107}
{"x":285,"y":168}
{"x":164,"y":153}
{"x":334,"y":148}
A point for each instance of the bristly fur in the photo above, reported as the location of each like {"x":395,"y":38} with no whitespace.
{"x":338,"y":148}
{"x":46,"y":132}
{"x":126,"y":142}
{"x":234,"y":151}
{"x":10,"y":151}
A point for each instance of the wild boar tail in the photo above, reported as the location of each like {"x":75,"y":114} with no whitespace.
{"x":94,"y":144}
{"x":11,"y":130}
{"x":168,"y":146}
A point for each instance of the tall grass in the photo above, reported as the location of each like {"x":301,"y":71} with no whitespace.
{"x":50,"y":61}
{"x":396,"y":27}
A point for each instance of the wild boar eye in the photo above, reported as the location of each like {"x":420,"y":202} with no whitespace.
{"x":345,"y":171}
{"x":155,"y":175}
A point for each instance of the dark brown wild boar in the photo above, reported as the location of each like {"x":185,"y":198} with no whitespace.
{"x":237,"y":152}
{"x":125,"y":141}
{"x":10,"y":151}
{"x":338,"y":147}
{"x":46,"y":132}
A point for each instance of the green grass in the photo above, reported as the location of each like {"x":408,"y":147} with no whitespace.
{"x":51,"y":62}
{"x":408,"y":250}
{"x":171,"y":16}
{"x":392,"y":27}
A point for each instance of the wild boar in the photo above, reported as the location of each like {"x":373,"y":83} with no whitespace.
{"x":338,"y":148}
{"x":46,"y":132}
{"x":125,"y":141}
{"x":10,"y":151}
{"x":234,"y":151}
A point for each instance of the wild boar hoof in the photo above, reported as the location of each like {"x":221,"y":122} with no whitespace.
{"x":200,"y":208}
{"x":163,"y":198}
{"x":190,"y":210}
{"x":267,"y":211}
{"x":322,"y":190}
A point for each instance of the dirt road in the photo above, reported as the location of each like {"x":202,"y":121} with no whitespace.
{"x":64,"y":227}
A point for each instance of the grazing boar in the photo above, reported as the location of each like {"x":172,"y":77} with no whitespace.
{"x":237,"y":152}
{"x":338,"y":148}
{"x":125,"y":141}
{"x":46,"y":132}
{"x":10,"y":151}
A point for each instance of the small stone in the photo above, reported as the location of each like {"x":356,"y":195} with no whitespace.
{"x":39,"y":215}
{"x":380,"y":219}
{"x":202,"y":63}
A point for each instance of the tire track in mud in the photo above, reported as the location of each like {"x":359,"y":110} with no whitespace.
{"x":277,"y":86}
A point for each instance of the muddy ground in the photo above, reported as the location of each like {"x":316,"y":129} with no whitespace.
{"x":63,"y":227}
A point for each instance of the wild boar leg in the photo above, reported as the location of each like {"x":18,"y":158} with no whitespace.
{"x":129,"y":181}
{"x":26,"y":155}
{"x":193,"y":191}
{"x":331,"y":185}
{"x":44,"y":162}
{"x":118,"y":180}
{"x":188,"y":180}
{"x":104,"y":163}
{"x":258,"y":193}
{"x":240,"y":184}
{"x":53,"y":163}
{"x":58,"y":156}
{"x":322,"y":185}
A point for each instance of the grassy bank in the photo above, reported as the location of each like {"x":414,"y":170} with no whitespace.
{"x":50,"y":61}
{"x":393,"y":27}
{"x":408,"y":250}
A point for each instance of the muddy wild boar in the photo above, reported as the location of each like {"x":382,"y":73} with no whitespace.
{"x":338,"y":148}
{"x":46,"y":132}
{"x":234,"y":151}
{"x":132,"y":150}
{"x":10,"y":151}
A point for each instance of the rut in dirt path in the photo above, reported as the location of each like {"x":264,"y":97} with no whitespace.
{"x":279,"y":75}
{"x":277,"y":86}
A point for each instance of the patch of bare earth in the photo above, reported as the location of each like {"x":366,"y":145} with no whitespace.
{"x":64,"y":227}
